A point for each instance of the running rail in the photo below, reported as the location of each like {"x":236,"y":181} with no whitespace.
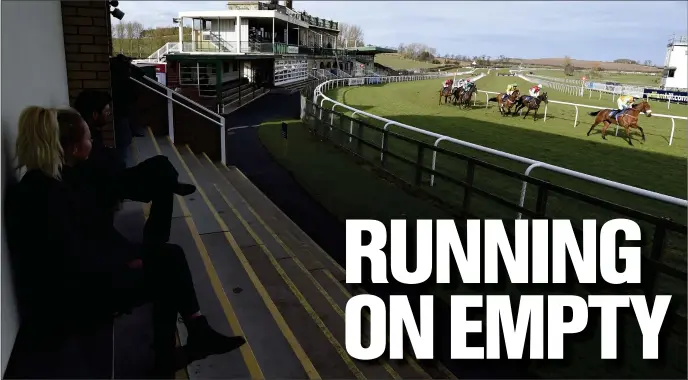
{"x":532,"y":164}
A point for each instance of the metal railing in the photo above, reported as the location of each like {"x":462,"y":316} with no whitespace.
{"x":170,"y":95}
{"x":167,"y":48}
{"x":532,"y":164}
{"x":471,"y":192}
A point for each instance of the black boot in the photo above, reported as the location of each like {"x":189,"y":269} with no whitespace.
{"x":184,"y":189}
{"x":203,"y":341}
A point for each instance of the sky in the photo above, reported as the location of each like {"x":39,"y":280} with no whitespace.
{"x":588,"y":30}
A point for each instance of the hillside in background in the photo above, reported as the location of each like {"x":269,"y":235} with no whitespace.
{"x":581,"y":64}
{"x":146,"y":41}
{"x":397,"y":62}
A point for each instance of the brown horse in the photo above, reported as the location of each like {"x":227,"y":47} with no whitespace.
{"x":532,"y":102}
{"x":627,"y":119}
{"x":463,"y":97}
{"x":507,"y":102}
{"x":446,"y":92}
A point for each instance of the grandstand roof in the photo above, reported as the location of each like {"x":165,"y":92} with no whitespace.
{"x":371,"y":50}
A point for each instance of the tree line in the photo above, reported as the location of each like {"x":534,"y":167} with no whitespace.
{"x":132,"y":39}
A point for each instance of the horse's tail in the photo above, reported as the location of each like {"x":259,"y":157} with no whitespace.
{"x":593,"y":113}
{"x":492,"y":99}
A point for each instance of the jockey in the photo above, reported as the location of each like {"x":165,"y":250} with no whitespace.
{"x":624,"y":102}
{"x":448,"y":83}
{"x":511,"y":88}
{"x":535,"y":90}
{"x":467,"y":84}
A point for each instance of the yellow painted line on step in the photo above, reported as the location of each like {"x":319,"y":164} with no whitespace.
{"x":412,"y":362}
{"x":181,"y":373}
{"x":300,"y":353}
{"x":305,"y":361}
{"x":316,"y":246}
{"x":297,"y":293}
{"x":314,"y":315}
{"x":296,"y":260}
{"x":246,"y":351}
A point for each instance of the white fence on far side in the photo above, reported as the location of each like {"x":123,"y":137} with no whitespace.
{"x":320,"y":98}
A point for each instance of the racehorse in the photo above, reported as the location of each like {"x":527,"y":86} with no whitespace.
{"x":456,"y":94}
{"x":504,"y":100}
{"x":627,"y":118}
{"x":532,"y":102}
{"x":463,"y":97}
{"x":446,"y":92}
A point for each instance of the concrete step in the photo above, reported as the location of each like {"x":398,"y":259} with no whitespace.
{"x":322,"y":266}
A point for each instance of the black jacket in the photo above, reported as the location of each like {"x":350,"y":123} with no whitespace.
{"x":62,"y":259}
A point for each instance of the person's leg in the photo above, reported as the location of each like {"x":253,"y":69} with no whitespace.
{"x":154,"y":180}
{"x":153,"y":176}
{"x":131,"y":288}
{"x":169,"y":277}
{"x":159,"y":223}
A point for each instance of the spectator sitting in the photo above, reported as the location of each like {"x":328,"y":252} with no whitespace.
{"x":124,"y":96}
{"x":69,"y":277}
{"x":107,"y":182}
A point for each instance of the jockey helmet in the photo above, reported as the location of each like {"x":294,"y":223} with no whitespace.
{"x":539,"y":86}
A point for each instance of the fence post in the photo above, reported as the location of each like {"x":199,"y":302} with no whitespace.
{"x":419,"y":164}
{"x":468,"y":190}
{"x":170,"y":114}
{"x":359,"y":134}
{"x":650,"y":277}
{"x":385,"y":140}
{"x":223,"y":141}
{"x":541,"y":203}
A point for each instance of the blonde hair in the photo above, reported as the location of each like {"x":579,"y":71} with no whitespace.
{"x":38,"y":141}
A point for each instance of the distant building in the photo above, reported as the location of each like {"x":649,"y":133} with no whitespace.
{"x":675,"y":73}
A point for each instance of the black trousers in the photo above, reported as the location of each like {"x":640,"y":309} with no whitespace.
{"x":152,"y":180}
{"x":165,"y":280}
{"x":87,"y":313}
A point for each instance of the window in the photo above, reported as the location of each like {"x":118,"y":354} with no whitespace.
{"x":235,"y":66}
{"x":672,"y":72}
{"x":225,"y":67}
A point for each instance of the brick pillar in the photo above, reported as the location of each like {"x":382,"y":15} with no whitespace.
{"x":88,"y":47}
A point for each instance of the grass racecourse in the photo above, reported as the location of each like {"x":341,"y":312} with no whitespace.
{"x":353,"y":190}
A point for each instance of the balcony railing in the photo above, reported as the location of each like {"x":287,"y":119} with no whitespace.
{"x":245,"y":47}
{"x":301,"y":16}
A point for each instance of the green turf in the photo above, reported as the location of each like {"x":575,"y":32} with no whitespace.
{"x":346,"y":195}
{"x":350,"y":190}
{"x":597,"y":98}
{"x":653,"y":165}
{"x":395,"y":61}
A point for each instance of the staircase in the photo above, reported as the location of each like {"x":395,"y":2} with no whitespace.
{"x":258,"y":275}
{"x":221,"y":44}
{"x":298,"y":86}
{"x":159,"y":55}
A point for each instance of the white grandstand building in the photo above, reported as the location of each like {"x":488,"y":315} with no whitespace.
{"x":675,"y":73}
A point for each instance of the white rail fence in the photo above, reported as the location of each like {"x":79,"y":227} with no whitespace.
{"x":214,"y":117}
{"x":579,"y":87}
{"x":532,"y":164}
{"x":578,"y":106}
